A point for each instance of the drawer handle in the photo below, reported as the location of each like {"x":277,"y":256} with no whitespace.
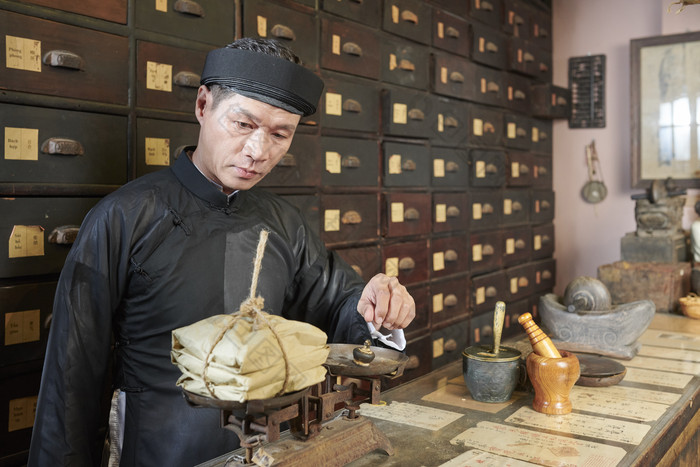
{"x":352,"y":162}
{"x":486,"y":6}
{"x":189,"y":7}
{"x":546,"y":239}
{"x":519,"y":95}
{"x":409,"y":17}
{"x":63,"y":147}
{"x":451,"y":122}
{"x":518,"y":20}
{"x":62,"y":59}
{"x":283,"y":32}
{"x":487,"y":250}
{"x":452,"y":32}
{"x":451,"y":255}
{"x":524,"y":169}
{"x":451,"y":300}
{"x":545,"y":205}
{"x":452,"y":211}
{"x":408,"y":165}
{"x":187,"y":79}
{"x":351,"y":105}
{"x":491,"y":169}
{"x":528,"y":57}
{"x":412,"y":363}
{"x":351,"y":218}
{"x":407,"y":65}
{"x":64,"y":235}
{"x":491,"y":47}
{"x":357,"y":269}
{"x":450,"y":345}
{"x":487,"y":209}
{"x":546,"y":274}
{"x":543,"y":33}
{"x":452,"y":167}
{"x":561,"y":101}
{"x":406,"y":264}
{"x":520,"y":132}
{"x":351,"y":48}
{"x":491,"y":291}
{"x":416,"y":114}
{"x":544,"y":68}
{"x":520,"y":244}
{"x":489,"y":128}
{"x":517,"y":206}
{"x":543,"y":135}
{"x":523,"y":282}
{"x":411,"y":214}
{"x":492,"y":87}
{"x":288,"y":160}
{"x":456,"y":77}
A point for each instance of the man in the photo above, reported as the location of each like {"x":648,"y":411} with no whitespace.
{"x":177,"y":246}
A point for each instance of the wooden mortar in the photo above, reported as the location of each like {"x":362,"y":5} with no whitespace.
{"x":552,"y":379}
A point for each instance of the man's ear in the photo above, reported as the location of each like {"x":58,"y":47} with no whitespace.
{"x":203,"y":102}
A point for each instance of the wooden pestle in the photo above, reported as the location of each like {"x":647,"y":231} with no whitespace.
{"x":541,"y":344}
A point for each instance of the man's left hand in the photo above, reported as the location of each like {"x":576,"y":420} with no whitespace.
{"x":385,"y":302}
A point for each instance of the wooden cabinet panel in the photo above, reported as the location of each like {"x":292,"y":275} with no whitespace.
{"x":406,"y":112}
{"x":450,"y":212}
{"x":516,"y":245}
{"x":405,"y":63}
{"x":369,"y":13}
{"x":406,"y":214}
{"x":488,"y":46}
{"x":350,"y":48}
{"x":542,"y":241}
{"x":407,"y":261}
{"x":109,"y":10}
{"x":486,"y":290}
{"x":349,"y":162}
{"x":516,"y":207}
{"x":449,"y":300}
{"x":406,"y":165}
{"x":208,"y":21}
{"x":349,"y":104}
{"x":450,"y":256}
{"x":349,"y":217}
{"x":485,"y":209}
{"x":450,"y":167}
{"x":519,"y":168}
{"x":407,"y":18}
{"x":485,"y":251}
{"x":366,"y":261}
{"x":488,"y":168}
{"x":451,"y":33}
{"x":451,"y":122}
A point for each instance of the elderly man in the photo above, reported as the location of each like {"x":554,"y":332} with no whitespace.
{"x":177,"y":246}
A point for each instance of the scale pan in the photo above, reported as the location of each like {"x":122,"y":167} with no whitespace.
{"x":386,"y":361}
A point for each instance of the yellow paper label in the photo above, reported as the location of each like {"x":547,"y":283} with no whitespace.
{"x":22,"y":327}
{"x":440,"y":213}
{"x":483,"y":85}
{"x":437,"y":303}
{"x":480,"y":169}
{"x":520,"y":55}
{"x":400,"y":113}
{"x":535,"y":134}
{"x":391,"y":267}
{"x":395,"y":164}
{"x":510,"y":93}
{"x":335,"y":46}
{"x":157,"y":151}
{"x":476,"y":252}
{"x":441,"y":123}
{"x":26,"y":240}
{"x":22,"y":54}
{"x":482,"y":45}
{"x":511,"y":130}
{"x":480,"y":295}
{"x":476,"y":211}
{"x":22,"y":413}
{"x":21,"y":144}
{"x":537,"y":206}
{"x":443,"y":75}
{"x":507,"y":206}
{"x":262,"y":26}
{"x":439,"y":168}
{"x":333,"y":162}
{"x":331,"y":220}
{"x":478,"y":127}
{"x":441,"y":30}
{"x":159,"y":76}
{"x":537,"y":242}
{"x":439,"y":261}
{"x":538,"y":277}
{"x":438,"y":347}
{"x":334,"y":104}
{"x":514,"y":285}
{"x":395,"y":14}
{"x":396,"y":212}
{"x":392,"y":62}
{"x":515,"y":169}
{"x":162,"y":5}
{"x":510,"y":246}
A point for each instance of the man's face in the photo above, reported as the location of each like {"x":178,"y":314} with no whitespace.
{"x":240,"y":140}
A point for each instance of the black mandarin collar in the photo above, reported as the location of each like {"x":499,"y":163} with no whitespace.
{"x":190,"y":176}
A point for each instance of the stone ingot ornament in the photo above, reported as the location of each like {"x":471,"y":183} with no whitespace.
{"x":585,"y":320}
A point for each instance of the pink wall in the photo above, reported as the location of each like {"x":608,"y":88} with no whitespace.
{"x":588,"y":235}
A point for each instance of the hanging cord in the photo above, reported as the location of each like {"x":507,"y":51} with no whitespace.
{"x":251,"y":307}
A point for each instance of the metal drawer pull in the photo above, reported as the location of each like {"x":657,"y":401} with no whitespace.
{"x":64,"y":235}
{"x":452,"y":167}
{"x":406,"y":263}
{"x":187,"y":79}
{"x":491,"y":47}
{"x":546,"y":274}
{"x":351,"y":105}
{"x":451,"y":122}
{"x":543,"y":135}
{"x":561,"y":101}
{"x":528,"y":57}
{"x":520,"y":132}
{"x":189,"y":7}
{"x":409,"y":165}
{"x":451,"y":300}
{"x":288,"y":160}
{"x":545,"y":205}
{"x":413,"y":362}
{"x":486,"y":6}
{"x":351,"y":218}
{"x":357,"y":269}
{"x":491,"y":169}
{"x":409,"y":16}
{"x":543,"y":67}
{"x":487,"y":250}
{"x":456,"y":77}
{"x":491,"y":291}
{"x":452,"y":211}
{"x":351,"y":48}
{"x":352,"y":162}
{"x":489,"y":128}
{"x":519,"y":95}
{"x":546,"y":239}
{"x":487,"y":209}
{"x":63,"y":59}
{"x":416,"y":114}
{"x":492,"y":87}
{"x":517,"y":207}
{"x":524,"y":169}
{"x":62,"y":147}
{"x":523,"y":282}
{"x":517,"y":19}
{"x":451,"y":255}
{"x":283,"y":32}
{"x":407,"y":65}
{"x":411,"y":214}
{"x":543,"y":33}
{"x":450,"y":345}
{"x":452,"y":32}
{"x":520,"y":244}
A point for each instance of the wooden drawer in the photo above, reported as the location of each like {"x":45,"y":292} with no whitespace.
{"x":449,"y":300}
{"x":349,"y":217}
{"x":406,"y":165}
{"x":300,"y":166}
{"x":543,"y":64}
{"x":450,"y":212}
{"x":25,"y":311}
{"x":518,"y":95}
{"x":485,"y":209}
{"x":408,"y":261}
{"x":486,"y":290}
{"x":541,"y":136}
{"x":369,"y":13}
{"x":160,"y":142}
{"x":518,"y":133}
{"x":511,"y":326}
{"x":292,"y":28}
{"x":540,"y":32}
{"x":449,"y":343}
{"x":516,"y":207}
{"x":450,"y":167}
{"x":516,"y":244}
{"x":519,"y":168}
{"x":108,"y":10}
{"x":29,"y":223}
{"x":408,"y":18}
{"x":451,"y":121}
{"x":488,"y":168}
{"x":485,"y":251}
{"x":420,"y":358}
{"x":407,"y":112}
{"x":349,"y":162}
{"x":208,"y":21}
{"x":542,"y":207}
{"x":309,"y":207}
{"x":490,"y":85}
{"x":488,"y":46}
{"x":45,"y":145}
{"x":550,"y":101}
{"x":366,"y":261}
{"x":167,"y":77}
{"x":46,"y":57}
{"x":405,"y":63}
{"x":521,"y":57}
{"x":459,"y":8}
{"x":349,"y":104}
{"x":485,"y":126}
{"x":453,"y":76}
{"x":545,"y":275}
{"x":350,"y":48}
{"x":481,"y":328}
{"x":542,"y":241}
{"x":487,"y":11}
{"x":406,"y":214}
{"x":449,"y":256}
{"x":451,"y":33}
{"x":18,"y":396}
{"x":520,"y":282}
{"x":542,"y":171}
{"x":516,"y":17}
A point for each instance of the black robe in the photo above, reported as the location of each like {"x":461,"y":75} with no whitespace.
{"x":162,"y":252}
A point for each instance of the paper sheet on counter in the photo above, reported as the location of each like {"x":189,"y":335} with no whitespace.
{"x":411,"y":414}
{"x":479,"y":458}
